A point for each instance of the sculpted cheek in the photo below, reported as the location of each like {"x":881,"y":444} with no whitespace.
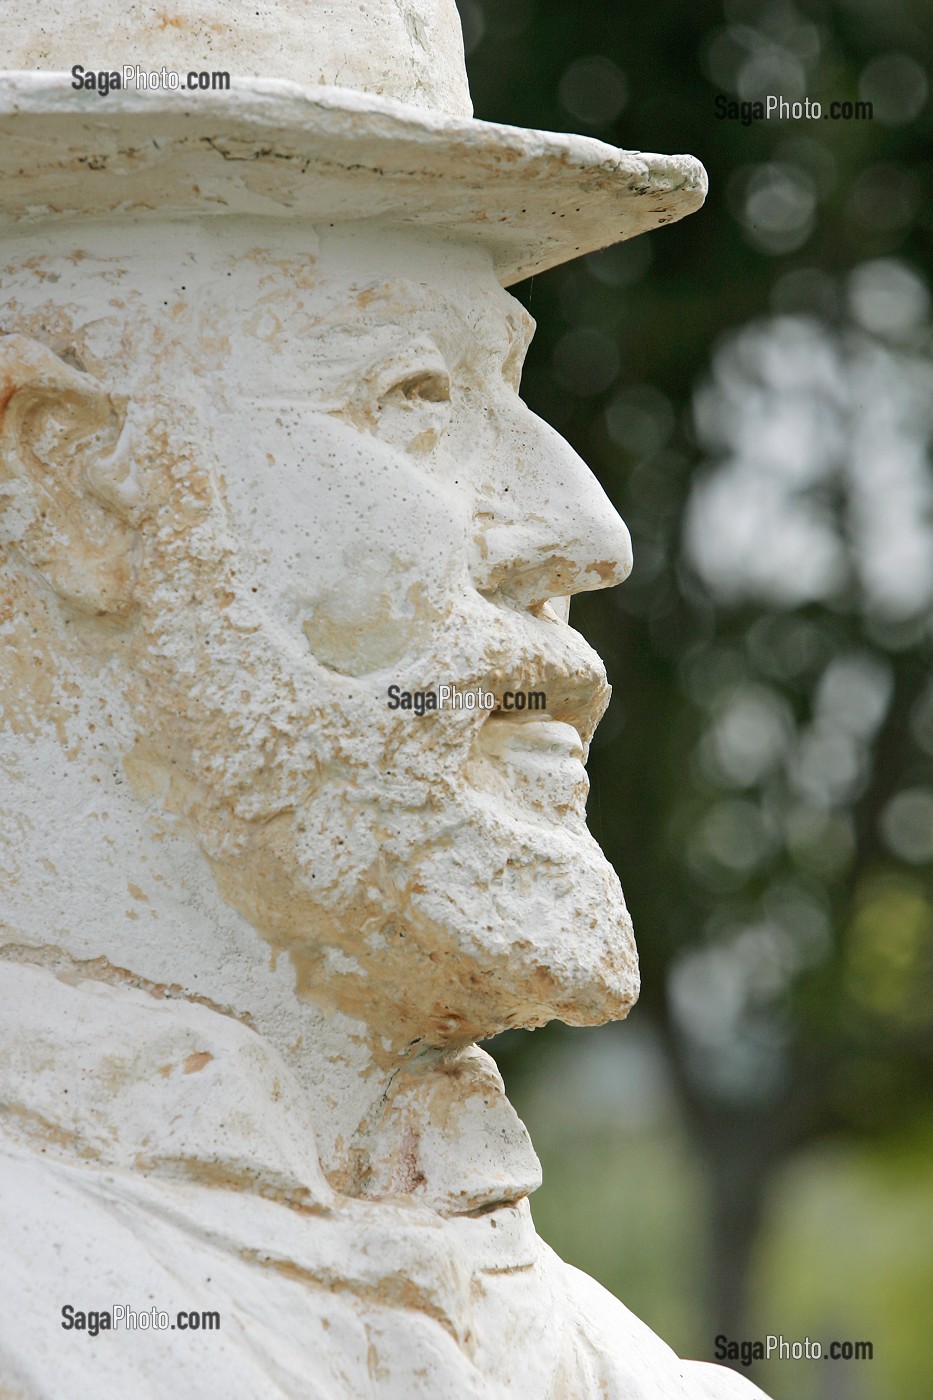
{"x":369,"y":551}
{"x":369,"y":624}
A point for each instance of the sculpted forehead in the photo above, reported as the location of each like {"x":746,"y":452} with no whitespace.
{"x":324,"y":329}
{"x":280,"y":312}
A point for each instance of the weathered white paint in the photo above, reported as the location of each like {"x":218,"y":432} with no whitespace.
{"x":407,"y":50}
{"x":253,"y":471}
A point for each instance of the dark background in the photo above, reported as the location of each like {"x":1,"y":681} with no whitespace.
{"x":751,"y":1152}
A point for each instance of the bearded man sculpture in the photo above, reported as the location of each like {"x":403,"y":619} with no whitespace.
{"x":263,"y":458}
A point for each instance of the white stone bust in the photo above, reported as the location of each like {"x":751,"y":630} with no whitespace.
{"x":262,"y":456}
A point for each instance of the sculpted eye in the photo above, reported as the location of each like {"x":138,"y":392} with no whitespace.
{"x":412,"y":403}
{"x":428,"y":386}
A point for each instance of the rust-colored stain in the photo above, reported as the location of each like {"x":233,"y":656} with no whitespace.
{"x":392,"y":1291}
{"x":377,"y":1372}
{"x":7,"y":389}
{"x":197,"y":1060}
{"x":32,"y":696}
{"x":411,"y":1174}
{"x":54,"y":1135}
{"x":226,"y":1176}
{"x":69,"y":969}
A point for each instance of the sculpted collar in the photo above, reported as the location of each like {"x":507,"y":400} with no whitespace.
{"x":172,"y":1088}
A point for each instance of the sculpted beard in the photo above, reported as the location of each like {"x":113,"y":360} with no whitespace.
{"x":384,"y":853}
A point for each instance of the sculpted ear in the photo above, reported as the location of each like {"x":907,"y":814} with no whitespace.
{"x":69,"y":499}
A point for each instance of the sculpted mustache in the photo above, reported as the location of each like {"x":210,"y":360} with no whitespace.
{"x":532,"y":684}
{"x":242,"y":647}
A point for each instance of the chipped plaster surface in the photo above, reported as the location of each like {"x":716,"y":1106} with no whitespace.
{"x":407,"y":50}
{"x":252,"y":918}
{"x":253,"y":471}
{"x":272,"y":148}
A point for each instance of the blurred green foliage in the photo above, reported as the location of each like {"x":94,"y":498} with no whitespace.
{"x":753,"y":387}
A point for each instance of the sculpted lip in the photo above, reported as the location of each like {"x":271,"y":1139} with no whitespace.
{"x":538,"y":734}
{"x":576,"y":698}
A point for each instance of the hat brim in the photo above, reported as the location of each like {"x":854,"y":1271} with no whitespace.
{"x":271,"y":148}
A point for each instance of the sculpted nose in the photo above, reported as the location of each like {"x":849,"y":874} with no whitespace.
{"x":543,"y":526}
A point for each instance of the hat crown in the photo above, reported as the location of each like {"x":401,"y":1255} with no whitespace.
{"x":409,"y":50}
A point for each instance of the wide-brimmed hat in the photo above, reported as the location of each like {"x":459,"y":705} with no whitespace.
{"x":337,"y":110}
